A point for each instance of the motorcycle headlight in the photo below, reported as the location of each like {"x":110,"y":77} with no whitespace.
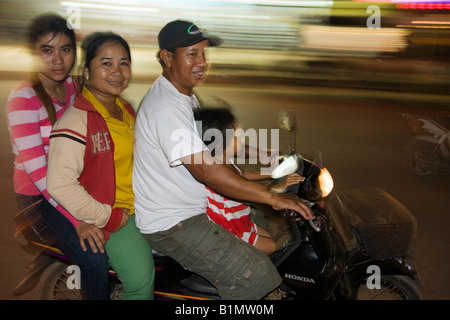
{"x":325,"y":182}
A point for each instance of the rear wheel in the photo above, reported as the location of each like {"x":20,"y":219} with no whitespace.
{"x":392,"y":287}
{"x":53,"y":283}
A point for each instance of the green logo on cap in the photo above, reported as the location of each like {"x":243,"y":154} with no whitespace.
{"x":194,"y":32}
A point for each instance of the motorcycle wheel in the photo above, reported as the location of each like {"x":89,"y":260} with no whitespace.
{"x":410,"y":157}
{"x":53,"y":284}
{"x":392,"y":287}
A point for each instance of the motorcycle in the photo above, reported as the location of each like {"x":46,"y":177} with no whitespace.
{"x":428,"y":152}
{"x":356,"y":248}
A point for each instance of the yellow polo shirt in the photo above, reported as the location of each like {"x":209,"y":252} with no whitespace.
{"x":122,"y":134}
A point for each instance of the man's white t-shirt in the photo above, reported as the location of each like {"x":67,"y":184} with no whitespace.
{"x":165,"y":191}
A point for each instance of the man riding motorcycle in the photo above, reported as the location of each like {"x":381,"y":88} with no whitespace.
{"x":171,"y":166}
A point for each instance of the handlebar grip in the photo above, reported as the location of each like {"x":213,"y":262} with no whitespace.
{"x":287,"y":213}
{"x":315,"y":224}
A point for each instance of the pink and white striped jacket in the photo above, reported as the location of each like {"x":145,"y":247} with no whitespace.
{"x":29,"y":127}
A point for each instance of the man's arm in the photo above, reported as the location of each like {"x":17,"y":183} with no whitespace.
{"x":225,"y":181}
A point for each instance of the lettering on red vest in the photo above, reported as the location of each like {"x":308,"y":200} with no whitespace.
{"x":100,"y":142}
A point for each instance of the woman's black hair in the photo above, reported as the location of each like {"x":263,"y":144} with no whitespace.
{"x":49,"y":23}
{"x":215,"y":118}
{"x":40,"y":26}
{"x":94,"y":41}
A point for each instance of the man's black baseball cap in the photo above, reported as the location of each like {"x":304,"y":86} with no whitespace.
{"x":181,"y":33}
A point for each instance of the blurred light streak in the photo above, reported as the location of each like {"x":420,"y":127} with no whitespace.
{"x":15,"y":58}
{"x":424,"y":5}
{"x":421,"y":27}
{"x":425,"y":24}
{"x":281,"y":3}
{"x":261,"y":36}
{"x":404,"y":1}
{"x":109,"y":7}
{"x":420,"y":1}
{"x":354,"y":38}
{"x":431,"y":22}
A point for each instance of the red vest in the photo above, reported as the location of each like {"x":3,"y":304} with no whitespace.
{"x":98,"y":175}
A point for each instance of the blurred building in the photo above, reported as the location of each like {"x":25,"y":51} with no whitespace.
{"x":303,"y":41}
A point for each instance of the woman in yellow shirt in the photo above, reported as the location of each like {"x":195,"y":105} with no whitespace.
{"x":91,"y":163}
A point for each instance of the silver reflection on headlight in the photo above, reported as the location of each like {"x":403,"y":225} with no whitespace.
{"x":288,"y":166}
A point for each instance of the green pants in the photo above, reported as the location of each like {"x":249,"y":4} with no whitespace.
{"x":130,"y":255}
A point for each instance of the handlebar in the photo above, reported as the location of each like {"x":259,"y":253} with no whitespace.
{"x":314,"y":223}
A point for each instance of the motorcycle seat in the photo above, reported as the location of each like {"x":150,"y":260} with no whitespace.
{"x":199,"y":284}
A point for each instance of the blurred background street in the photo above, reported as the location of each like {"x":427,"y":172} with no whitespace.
{"x":345,"y":79}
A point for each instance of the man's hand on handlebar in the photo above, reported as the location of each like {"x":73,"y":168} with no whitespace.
{"x":291,"y":202}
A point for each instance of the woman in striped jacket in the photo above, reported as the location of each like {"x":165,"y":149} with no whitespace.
{"x":33,"y":107}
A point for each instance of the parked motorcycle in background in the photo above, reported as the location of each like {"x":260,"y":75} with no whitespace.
{"x":428,"y":152}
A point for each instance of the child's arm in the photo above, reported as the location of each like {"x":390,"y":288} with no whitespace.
{"x":289,"y":180}
{"x":254,"y":175}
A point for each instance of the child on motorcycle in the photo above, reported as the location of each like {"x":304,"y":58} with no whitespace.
{"x":233,"y":215}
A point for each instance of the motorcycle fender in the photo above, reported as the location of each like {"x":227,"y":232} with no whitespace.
{"x":393,"y":266}
{"x":429,"y":139}
{"x":398,"y":266}
{"x":35,"y":269}
{"x":356,"y":275}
